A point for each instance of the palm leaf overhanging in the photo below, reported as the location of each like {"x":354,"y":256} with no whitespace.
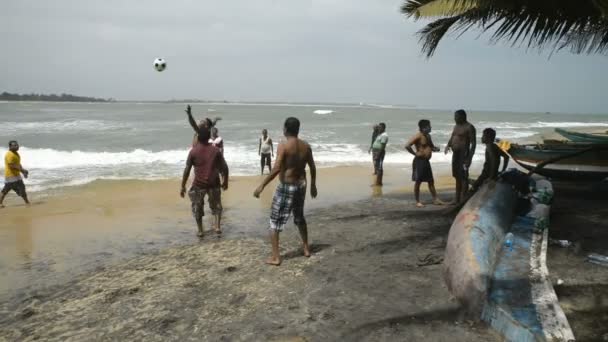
{"x":578,"y":25}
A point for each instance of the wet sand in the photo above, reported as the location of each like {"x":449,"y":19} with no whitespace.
{"x":74,"y":230}
{"x":119,"y":260}
{"x":375,"y":275}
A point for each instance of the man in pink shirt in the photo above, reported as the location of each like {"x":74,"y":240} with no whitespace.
{"x":208,"y":164}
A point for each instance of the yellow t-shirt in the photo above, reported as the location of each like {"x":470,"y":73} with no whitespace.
{"x":11,"y":158}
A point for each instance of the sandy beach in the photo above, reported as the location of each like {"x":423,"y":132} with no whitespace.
{"x":103,"y":105}
{"x":375,"y":275}
{"x":77,"y":229}
{"x":119,"y":259}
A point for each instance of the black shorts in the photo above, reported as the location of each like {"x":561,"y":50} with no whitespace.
{"x":18,"y":187}
{"x":421,"y":170}
{"x":266,"y":159}
{"x":459,"y":168}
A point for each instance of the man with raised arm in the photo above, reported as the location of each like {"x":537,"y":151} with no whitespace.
{"x":206,"y":122}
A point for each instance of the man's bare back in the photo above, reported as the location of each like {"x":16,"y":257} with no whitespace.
{"x":293,"y":155}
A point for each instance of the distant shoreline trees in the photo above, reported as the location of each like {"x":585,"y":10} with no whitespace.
{"x":5,"y":96}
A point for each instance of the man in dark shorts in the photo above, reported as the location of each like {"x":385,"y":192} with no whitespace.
{"x":463,"y":144}
{"x":208,"y":164}
{"x":492,"y":162}
{"x":12,"y":174}
{"x":421,"y":166}
{"x":292,"y":157}
{"x":379,"y":151}
{"x":375,"y":133}
{"x":265,"y":151}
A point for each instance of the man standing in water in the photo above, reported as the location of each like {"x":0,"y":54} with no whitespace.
{"x":378,"y":152}
{"x":208,"y":164}
{"x":12,"y":173}
{"x":374,"y":136}
{"x":462,"y":143}
{"x":292,"y":157}
{"x":265,"y":151}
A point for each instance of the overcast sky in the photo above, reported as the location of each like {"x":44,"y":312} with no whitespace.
{"x":278,"y":50}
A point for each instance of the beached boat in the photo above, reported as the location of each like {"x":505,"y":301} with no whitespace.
{"x":507,"y":284}
{"x":589,"y":162}
{"x":595,"y":138}
{"x":474,"y":239}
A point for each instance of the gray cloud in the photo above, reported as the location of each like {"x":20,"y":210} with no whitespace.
{"x":331,"y":50}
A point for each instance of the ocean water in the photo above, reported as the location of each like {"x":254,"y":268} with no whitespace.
{"x":66,"y":144}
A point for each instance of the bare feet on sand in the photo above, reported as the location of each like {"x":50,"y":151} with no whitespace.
{"x":273,"y":262}
{"x":419,"y":205}
{"x":200,"y":234}
{"x":306,"y":252}
{"x":218,"y":231}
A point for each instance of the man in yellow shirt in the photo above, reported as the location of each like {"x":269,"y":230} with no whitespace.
{"x":12,"y":173}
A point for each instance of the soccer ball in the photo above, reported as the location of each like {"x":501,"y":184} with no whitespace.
{"x":160,"y":64}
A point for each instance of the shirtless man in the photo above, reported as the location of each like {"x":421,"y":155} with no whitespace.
{"x":493,"y":155}
{"x":421,"y":166}
{"x":462,"y":143}
{"x":292,"y":157}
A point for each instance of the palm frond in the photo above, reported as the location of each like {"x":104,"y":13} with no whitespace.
{"x":435,"y":8}
{"x":581,"y":26}
{"x":432,"y":33}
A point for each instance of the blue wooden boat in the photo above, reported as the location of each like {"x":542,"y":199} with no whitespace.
{"x":474,"y":239}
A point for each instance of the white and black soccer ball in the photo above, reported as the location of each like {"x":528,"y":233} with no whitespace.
{"x":160,"y":64}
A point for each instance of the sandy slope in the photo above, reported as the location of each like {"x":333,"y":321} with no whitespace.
{"x":362,"y":283}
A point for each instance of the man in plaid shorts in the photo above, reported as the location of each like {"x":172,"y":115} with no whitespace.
{"x":290,"y":165}
{"x":208,"y":164}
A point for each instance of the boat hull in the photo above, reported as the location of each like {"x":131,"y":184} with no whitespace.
{"x":570,"y":172}
{"x":475,"y":237}
{"x":583,"y":137}
{"x":589,"y":166}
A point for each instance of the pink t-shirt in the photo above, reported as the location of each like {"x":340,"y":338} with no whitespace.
{"x":207,"y":161}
